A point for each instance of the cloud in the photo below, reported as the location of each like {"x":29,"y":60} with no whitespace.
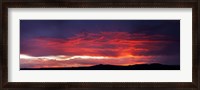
{"x":99,"y":44}
{"x":121,"y":48}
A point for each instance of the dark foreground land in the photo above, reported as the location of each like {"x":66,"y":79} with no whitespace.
{"x":114,"y":67}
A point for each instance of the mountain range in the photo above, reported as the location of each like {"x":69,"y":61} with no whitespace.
{"x":153,"y":66}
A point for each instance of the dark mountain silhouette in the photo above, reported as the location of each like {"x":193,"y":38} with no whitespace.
{"x":153,"y":66}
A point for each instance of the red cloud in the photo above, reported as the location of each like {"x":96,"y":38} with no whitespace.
{"x":143,"y":47}
{"x":99,"y":44}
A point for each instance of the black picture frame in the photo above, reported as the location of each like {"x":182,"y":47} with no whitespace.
{"x":194,"y":4}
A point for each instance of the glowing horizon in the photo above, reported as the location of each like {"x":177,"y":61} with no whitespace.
{"x":61,"y":57}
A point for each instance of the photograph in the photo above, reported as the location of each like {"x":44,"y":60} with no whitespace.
{"x":94,"y":44}
{"x":99,"y":44}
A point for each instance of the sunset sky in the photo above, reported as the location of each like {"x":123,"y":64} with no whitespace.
{"x":77,"y":43}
